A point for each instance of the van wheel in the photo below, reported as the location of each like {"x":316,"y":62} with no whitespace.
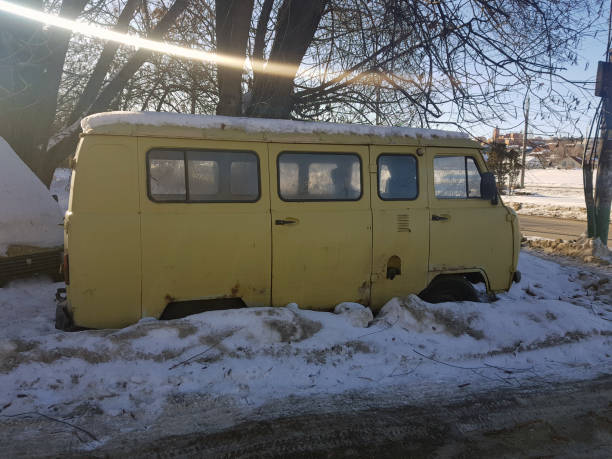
{"x":449,"y":288}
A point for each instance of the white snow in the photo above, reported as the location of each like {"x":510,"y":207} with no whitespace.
{"x":60,"y":186}
{"x":92,"y":122}
{"x":28,"y":214}
{"x":556,"y":325}
{"x":551,"y":193}
{"x":356,"y":314}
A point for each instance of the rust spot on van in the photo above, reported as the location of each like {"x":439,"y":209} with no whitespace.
{"x":169,"y":298}
{"x":364,"y":294}
{"x":235,"y":289}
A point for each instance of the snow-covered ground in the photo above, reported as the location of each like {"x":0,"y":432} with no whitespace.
{"x":551,"y":193}
{"x":556,"y":325}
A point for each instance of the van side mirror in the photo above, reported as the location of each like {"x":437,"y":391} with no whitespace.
{"x":488,"y":189}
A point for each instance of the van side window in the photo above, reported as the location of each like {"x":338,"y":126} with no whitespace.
{"x":212,"y":176}
{"x":397,"y":177}
{"x":167,"y":175}
{"x":319,"y":176}
{"x":456,"y":177}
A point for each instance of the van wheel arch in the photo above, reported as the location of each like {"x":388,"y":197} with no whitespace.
{"x":180,"y":309}
{"x":452,"y":288}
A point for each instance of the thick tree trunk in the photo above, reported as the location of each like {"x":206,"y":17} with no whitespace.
{"x":34,"y":61}
{"x":295,"y":28}
{"x":104,"y":63}
{"x":58,"y":46}
{"x":260,"y":35}
{"x":232,"y":29}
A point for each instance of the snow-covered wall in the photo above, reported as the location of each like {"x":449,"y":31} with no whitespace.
{"x":28,"y":213}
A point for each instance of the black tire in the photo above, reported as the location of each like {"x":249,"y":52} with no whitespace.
{"x":449,"y":288}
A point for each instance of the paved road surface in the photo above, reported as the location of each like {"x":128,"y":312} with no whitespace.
{"x":553,"y":228}
{"x":565,"y":420}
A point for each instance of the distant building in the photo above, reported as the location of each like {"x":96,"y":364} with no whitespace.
{"x":509,"y":139}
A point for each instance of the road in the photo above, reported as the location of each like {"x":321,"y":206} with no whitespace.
{"x":553,"y":228}
{"x":560,"y":420}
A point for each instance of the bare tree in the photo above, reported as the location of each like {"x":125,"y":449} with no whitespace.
{"x":406,"y":62}
{"x":31,"y":62}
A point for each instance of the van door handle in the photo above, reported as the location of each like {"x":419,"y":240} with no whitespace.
{"x":439,"y":218}
{"x":285,"y":222}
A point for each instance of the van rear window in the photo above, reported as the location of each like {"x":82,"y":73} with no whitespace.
{"x":167,"y":176}
{"x":203,"y":176}
{"x":319,"y":176}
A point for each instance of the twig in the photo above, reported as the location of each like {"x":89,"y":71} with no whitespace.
{"x":445,"y":363}
{"x":186,"y":361}
{"x":393,"y":374}
{"x":51,"y":418}
{"x":509,"y":370}
{"x":379,"y":331}
{"x":474,"y":370}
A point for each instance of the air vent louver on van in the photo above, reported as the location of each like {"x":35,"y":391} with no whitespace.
{"x":403,"y":223}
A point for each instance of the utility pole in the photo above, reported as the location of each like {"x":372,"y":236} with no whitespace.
{"x":526,"y":112}
{"x":603,"y":184}
{"x":598,"y":203}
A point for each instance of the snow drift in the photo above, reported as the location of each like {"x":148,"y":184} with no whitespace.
{"x":555,"y":325}
{"x":28,"y":213}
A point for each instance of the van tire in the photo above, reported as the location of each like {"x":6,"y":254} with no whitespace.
{"x":449,"y":288}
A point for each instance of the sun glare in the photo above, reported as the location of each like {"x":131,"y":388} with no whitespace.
{"x":137,"y":42}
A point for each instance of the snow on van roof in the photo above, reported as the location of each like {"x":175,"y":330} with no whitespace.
{"x":93,"y":123}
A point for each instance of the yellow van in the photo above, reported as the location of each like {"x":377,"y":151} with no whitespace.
{"x":173,"y":214}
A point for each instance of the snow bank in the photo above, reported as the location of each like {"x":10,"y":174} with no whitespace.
{"x":588,"y":250}
{"x":548,"y":328}
{"x":91,"y":123}
{"x":355,"y":313}
{"x":28,"y":214}
{"x":545,"y":209}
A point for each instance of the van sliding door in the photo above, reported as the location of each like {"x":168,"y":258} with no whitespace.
{"x":321,"y":224}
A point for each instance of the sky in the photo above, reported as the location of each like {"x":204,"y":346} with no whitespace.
{"x":591,"y":51}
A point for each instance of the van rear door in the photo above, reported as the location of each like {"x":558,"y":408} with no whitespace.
{"x":321,"y":224}
{"x":205,"y":222}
